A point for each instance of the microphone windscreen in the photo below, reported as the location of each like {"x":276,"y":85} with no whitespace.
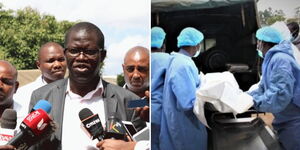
{"x":36,"y":127}
{"x":9,"y":119}
{"x":43,"y":104}
{"x":85,"y":113}
{"x":37,"y":121}
{"x":91,"y":123}
{"x":114,"y":128}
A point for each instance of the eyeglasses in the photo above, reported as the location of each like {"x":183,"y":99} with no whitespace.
{"x":87,"y":52}
{"x":141,"y":69}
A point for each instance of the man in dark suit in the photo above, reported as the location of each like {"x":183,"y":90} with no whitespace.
{"x":84,"y":51}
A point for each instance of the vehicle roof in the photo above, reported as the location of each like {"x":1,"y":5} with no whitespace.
{"x":175,"y":5}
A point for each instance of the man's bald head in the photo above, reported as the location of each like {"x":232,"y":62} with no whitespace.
{"x":137,"y":52}
{"x":11,"y":69}
{"x":136,"y":70}
{"x":49,"y":45}
{"x":8,"y":84}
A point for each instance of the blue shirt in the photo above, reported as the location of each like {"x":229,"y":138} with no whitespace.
{"x":279,"y":93}
{"x":180,"y":128}
{"x":159,"y":64}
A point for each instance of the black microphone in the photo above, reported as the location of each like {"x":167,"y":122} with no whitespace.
{"x":115,"y":129}
{"x":35,"y":127}
{"x":91,"y":124}
{"x":8,"y":123}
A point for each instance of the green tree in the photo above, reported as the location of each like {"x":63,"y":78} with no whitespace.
{"x":270,"y":16}
{"x":24,"y":31}
{"x":120,"y":79}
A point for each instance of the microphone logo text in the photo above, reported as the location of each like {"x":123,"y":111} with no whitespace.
{"x":41,"y":125}
{"x":92,"y":123}
{"x":33,"y":115}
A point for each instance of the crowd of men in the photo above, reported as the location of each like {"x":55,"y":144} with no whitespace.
{"x":84,"y":87}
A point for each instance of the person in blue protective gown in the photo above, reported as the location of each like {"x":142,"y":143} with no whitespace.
{"x":180,"y":128}
{"x":279,"y":88}
{"x":159,"y":65}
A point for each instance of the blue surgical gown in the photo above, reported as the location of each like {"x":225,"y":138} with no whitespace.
{"x":180,"y":128}
{"x":279,"y":93}
{"x":159,"y":64}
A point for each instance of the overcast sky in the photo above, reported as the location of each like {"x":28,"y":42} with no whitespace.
{"x":125,"y":23}
{"x":288,"y":6}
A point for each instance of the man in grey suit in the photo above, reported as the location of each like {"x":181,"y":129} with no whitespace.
{"x":84,"y":88}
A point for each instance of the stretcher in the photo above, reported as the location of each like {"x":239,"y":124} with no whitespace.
{"x":241,"y":133}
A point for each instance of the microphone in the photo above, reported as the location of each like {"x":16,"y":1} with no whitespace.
{"x":42,"y":104}
{"x":91,"y":124}
{"x":8,"y":123}
{"x":35,"y":127}
{"x":115,"y":129}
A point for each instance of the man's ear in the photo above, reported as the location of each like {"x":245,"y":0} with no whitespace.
{"x":123,"y":66}
{"x":16,"y":86}
{"x":37,"y":63}
{"x":102,"y":55}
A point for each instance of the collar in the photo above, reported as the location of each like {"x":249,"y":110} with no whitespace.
{"x":184,"y":52}
{"x":41,"y":80}
{"x":125,"y":86}
{"x":96,"y":92}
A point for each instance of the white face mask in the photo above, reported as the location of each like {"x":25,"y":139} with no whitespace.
{"x":198,"y":52}
{"x":293,"y":38}
{"x":260,"y":54}
{"x":259,"y":48}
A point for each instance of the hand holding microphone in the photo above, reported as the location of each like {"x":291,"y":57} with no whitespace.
{"x":6,"y":147}
{"x":35,"y":127}
{"x":115,"y":145}
{"x":114,"y":137}
{"x":141,"y":106}
{"x":143,"y":112}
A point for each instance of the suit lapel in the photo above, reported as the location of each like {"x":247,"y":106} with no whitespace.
{"x":110,"y":101}
{"x":58,"y":97}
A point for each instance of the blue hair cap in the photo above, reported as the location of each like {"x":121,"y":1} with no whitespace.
{"x":268,"y":34}
{"x":189,"y":37}
{"x":157,"y":37}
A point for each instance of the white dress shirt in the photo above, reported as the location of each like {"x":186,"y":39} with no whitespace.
{"x":73,"y":137}
{"x":22,"y":98}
